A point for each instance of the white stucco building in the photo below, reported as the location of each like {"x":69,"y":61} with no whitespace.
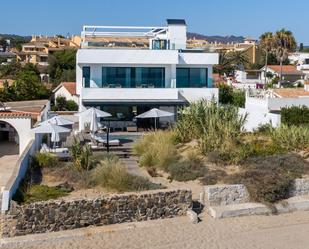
{"x":127,"y":81}
{"x":264,"y":106}
{"x":66,"y":90}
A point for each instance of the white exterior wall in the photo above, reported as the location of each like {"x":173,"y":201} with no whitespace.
{"x":195,"y":94}
{"x":177,"y":34}
{"x":23,"y":128}
{"x":63,"y":92}
{"x":259,"y":104}
{"x":256,"y":118}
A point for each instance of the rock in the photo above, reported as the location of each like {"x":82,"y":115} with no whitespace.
{"x":65,"y":187}
{"x":192,"y":216}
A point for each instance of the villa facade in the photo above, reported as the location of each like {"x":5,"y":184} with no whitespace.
{"x":130,"y":79}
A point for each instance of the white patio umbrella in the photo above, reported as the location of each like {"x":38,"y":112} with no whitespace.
{"x":57,"y":120}
{"x":94,"y":123}
{"x":92,"y":113}
{"x":155,"y":113}
{"x":88,"y":113}
{"x":49,"y":128}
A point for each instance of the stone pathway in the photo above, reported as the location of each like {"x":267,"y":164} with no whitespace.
{"x":133,"y":168}
{"x":8,"y":158}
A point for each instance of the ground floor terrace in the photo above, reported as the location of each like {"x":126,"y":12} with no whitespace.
{"x":124,"y":114}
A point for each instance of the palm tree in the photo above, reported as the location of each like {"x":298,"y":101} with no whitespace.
{"x":228,"y":61}
{"x":238,"y":58}
{"x":267,"y":44}
{"x":284,"y":44}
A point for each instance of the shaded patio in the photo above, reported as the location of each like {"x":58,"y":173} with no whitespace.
{"x":9,"y":155}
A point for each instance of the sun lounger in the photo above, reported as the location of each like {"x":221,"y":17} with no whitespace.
{"x":59,"y":152}
{"x":98,"y":139}
{"x":114,"y":142}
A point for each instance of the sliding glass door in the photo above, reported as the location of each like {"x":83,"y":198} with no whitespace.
{"x":191,"y":77}
{"x":131,"y":77}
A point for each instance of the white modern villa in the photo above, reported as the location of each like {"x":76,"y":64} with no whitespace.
{"x":154,"y":70}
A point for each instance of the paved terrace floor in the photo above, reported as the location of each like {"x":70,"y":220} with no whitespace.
{"x":8,"y":158}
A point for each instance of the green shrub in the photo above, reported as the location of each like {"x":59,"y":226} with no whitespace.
{"x":62,"y":104}
{"x":43,"y":193}
{"x":112,"y":174}
{"x":230,"y":96}
{"x":187,"y":169}
{"x":292,"y":137}
{"x":156,"y":150}
{"x":45,"y":160}
{"x":81,"y":156}
{"x":71,"y":105}
{"x":295,"y":115}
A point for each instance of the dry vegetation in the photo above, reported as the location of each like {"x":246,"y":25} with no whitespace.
{"x":208,"y":144}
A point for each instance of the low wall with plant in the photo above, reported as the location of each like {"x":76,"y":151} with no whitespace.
{"x":222,"y":195}
{"x":60,"y":215}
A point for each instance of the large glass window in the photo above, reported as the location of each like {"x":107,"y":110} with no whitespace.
{"x":86,"y":76}
{"x":191,"y":77}
{"x":131,"y":77}
{"x":159,"y":44}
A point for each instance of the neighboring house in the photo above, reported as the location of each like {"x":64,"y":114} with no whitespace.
{"x":17,"y":119}
{"x":264,"y":106}
{"x":38,"y":109}
{"x":301,"y":60}
{"x":249,"y":48}
{"x":6,"y":57}
{"x":39,"y":48}
{"x":289,"y":73}
{"x":66,"y":90}
{"x":248,"y":79}
{"x":130,"y":80}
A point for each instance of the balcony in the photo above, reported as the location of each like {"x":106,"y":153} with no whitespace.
{"x":144,"y":95}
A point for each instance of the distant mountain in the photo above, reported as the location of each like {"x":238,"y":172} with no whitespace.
{"x":15,"y":37}
{"x":216,"y":38}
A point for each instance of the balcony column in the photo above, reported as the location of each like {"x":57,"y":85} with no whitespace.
{"x":173,"y":76}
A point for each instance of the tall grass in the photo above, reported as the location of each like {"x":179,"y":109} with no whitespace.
{"x":213,"y":126}
{"x":292,"y":137}
{"x":157,"y":150}
{"x":111,"y":174}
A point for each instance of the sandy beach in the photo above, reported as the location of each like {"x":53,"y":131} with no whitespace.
{"x":282,"y":231}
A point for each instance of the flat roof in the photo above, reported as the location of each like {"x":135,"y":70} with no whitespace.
{"x":30,"y":106}
{"x":176,"y":21}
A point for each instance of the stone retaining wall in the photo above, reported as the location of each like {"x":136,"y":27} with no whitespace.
{"x":222,"y":195}
{"x":300,"y":187}
{"x":60,"y":215}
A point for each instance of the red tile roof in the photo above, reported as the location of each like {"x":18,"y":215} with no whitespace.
{"x":291,"y":92}
{"x":12,"y":114}
{"x":70,"y":86}
{"x":289,"y":69}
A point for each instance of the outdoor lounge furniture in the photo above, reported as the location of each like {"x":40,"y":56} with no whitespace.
{"x":61,"y":153}
{"x":99,"y":140}
{"x":132,"y":128}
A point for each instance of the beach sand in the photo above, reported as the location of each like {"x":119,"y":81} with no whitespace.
{"x":285,"y":231}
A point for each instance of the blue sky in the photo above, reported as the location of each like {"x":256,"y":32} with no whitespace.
{"x":211,"y":17}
